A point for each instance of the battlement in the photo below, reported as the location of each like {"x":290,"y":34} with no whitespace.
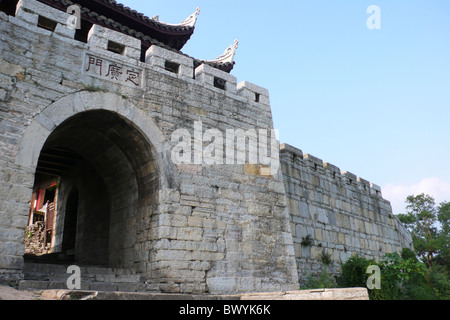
{"x":315,"y":164}
{"x":40,"y":15}
{"x":122,"y":48}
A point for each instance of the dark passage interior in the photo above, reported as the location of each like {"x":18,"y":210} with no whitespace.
{"x":70,"y":221}
{"x":103,"y":184}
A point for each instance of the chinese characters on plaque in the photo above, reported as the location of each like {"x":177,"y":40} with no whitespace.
{"x":113,"y":71}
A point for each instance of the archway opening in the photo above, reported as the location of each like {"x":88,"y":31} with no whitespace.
{"x":96,"y":186}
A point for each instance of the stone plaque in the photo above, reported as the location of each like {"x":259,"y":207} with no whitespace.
{"x":118,"y":72}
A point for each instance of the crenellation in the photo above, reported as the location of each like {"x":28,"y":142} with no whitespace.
{"x":286,"y":149}
{"x":170,"y":62}
{"x":27,"y":15}
{"x":32,"y":7}
{"x":314,"y":164}
{"x":363,"y":185}
{"x":216,"y":79}
{"x":349,"y":178}
{"x":332,"y":168}
{"x":375,"y":190}
{"x":101,"y":39}
{"x":255,"y":94}
{"x":63,"y":31}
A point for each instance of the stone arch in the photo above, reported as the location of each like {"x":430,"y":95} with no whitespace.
{"x":53,"y":115}
{"x":121,"y":166}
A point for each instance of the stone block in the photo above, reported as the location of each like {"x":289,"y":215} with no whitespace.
{"x":195,"y":222}
{"x":100,"y":38}
{"x":375,"y":190}
{"x":314,"y":163}
{"x":64,"y":31}
{"x":254,"y":93}
{"x":322,"y":216}
{"x":221,"y":285}
{"x":27,"y":16}
{"x":36,"y":7}
{"x":350,"y":177}
{"x":170,"y":62}
{"x":208,"y":75}
{"x":332,"y":169}
{"x":286,"y":148}
{"x":190,"y":234}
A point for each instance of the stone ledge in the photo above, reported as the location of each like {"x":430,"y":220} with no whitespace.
{"x":318,"y":294}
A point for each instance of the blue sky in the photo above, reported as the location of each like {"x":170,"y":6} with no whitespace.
{"x":373,"y":102}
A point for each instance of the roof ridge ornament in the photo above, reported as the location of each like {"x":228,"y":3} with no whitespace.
{"x":189,"y":22}
{"x":192,"y":19}
{"x":228,"y":55}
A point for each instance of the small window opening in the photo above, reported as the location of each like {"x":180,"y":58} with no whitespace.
{"x":315,"y":166}
{"x":219,"y":83}
{"x":172,"y":66}
{"x":144,"y":49}
{"x":257,"y":97}
{"x":47,"y":24}
{"x":8,"y":7}
{"x":116,"y":47}
{"x":82,"y":34}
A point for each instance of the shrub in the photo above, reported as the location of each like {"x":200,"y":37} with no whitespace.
{"x":324,"y":281}
{"x":354,"y":272}
{"x":401,"y":279}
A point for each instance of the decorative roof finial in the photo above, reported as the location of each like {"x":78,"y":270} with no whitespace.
{"x":189,"y":22}
{"x":192,"y":19}
{"x":228,"y":55}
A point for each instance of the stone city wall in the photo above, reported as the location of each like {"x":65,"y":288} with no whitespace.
{"x":335,"y":215}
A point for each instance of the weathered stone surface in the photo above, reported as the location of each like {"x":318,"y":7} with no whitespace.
{"x":335,"y":215}
{"x":309,"y":295}
{"x":318,"y":294}
{"x":190,"y":227}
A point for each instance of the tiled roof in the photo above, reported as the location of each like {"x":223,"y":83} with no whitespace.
{"x":124,"y":19}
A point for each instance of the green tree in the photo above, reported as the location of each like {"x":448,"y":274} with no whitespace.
{"x":402,"y":279}
{"x":429,"y":225}
{"x":443,"y":216}
{"x":421,"y":220}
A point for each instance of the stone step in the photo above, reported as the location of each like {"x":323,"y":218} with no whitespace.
{"x":51,"y":276}
{"x":34,"y":285}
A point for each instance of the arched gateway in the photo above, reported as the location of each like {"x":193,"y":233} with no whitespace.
{"x":97,"y":162}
